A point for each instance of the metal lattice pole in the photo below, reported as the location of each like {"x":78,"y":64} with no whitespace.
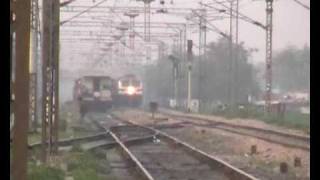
{"x":56,"y":59}
{"x":236,"y":58}
{"x":34,"y":63}
{"x":132,"y":15}
{"x":268,"y":75}
{"x":230,"y":79}
{"x":47,"y":77}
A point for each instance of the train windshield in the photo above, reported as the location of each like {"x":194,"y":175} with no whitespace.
{"x":135,"y":83}
{"x":105,"y":84}
{"x":125,"y":83}
{"x":88,"y":84}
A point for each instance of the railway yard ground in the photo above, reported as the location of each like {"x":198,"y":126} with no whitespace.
{"x":254,"y":155}
{"x":233,"y":147}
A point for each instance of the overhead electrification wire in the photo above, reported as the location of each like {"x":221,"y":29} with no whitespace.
{"x":91,"y":7}
{"x":301,"y":4}
{"x":241,"y":16}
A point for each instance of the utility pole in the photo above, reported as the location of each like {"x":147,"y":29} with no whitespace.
{"x":21,"y":12}
{"x":33,"y":63}
{"x":46,"y":61}
{"x":132,"y":15}
{"x":230,"y":83}
{"x":50,"y":60}
{"x":175,"y":63}
{"x":268,"y":95}
{"x":202,"y":47}
{"x":56,"y":67}
{"x":236,"y":54}
{"x":189,"y":58}
{"x":147,"y":25}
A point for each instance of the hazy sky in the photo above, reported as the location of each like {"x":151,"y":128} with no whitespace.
{"x":291,"y":22}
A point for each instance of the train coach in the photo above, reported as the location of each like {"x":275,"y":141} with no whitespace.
{"x":129,"y":91}
{"x":94,"y":93}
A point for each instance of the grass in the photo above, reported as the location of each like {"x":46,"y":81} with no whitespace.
{"x":63,"y":134}
{"x":295,"y":120}
{"x":80,"y":165}
{"x":86,"y":165}
{"x":44,"y":172}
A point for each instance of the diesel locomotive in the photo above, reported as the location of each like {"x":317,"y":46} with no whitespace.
{"x":129,"y":91}
{"x":94,"y":93}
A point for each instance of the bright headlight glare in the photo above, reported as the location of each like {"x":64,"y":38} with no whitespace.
{"x":131,"y":90}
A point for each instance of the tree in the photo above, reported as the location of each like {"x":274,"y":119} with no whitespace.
{"x":209,"y":77}
{"x":291,"y":69}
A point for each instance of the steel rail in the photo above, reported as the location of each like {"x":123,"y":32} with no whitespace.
{"x":69,"y":141}
{"x":231,"y":171}
{"x":300,"y":137}
{"x":132,"y":157}
{"x":237,"y":129}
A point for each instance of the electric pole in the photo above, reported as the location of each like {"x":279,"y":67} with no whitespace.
{"x":236,"y":58}
{"x":189,"y":58}
{"x":230,"y":79}
{"x":34,"y":64}
{"x":147,"y":25}
{"x":268,"y":95}
{"x":21,"y":10}
{"x":132,"y":15}
{"x":202,"y":50}
{"x":50,"y":60}
{"x":56,"y":67}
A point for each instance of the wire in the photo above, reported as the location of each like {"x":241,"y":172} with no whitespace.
{"x":301,"y":4}
{"x":242,"y":16}
{"x":65,"y":21}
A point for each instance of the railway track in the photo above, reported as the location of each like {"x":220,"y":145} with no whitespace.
{"x":285,"y":139}
{"x":157,"y":155}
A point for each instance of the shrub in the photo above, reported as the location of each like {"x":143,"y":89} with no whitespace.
{"x":85,"y":174}
{"x":45,"y":172}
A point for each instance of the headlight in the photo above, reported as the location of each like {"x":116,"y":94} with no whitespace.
{"x":131,"y":90}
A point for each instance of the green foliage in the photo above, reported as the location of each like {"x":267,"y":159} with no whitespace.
{"x":82,"y":160}
{"x":291,"y":69}
{"x":76,"y":148}
{"x":45,"y":172}
{"x":85,"y":174}
{"x":83,"y":166}
{"x":210,"y":76}
{"x":291,"y":119}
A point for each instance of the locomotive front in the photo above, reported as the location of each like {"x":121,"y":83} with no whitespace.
{"x":94,"y":93}
{"x":129,"y":91}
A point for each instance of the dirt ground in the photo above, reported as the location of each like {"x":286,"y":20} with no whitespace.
{"x":235,"y":149}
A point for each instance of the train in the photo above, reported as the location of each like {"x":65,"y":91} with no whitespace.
{"x":129,"y":91}
{"x":94,"y":93}
{"x":101,"y":93}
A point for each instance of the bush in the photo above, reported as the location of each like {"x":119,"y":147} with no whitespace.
{"x":76,"y":148}
{"x":290,"y":119}
{"x":82,"y":161}
{"x":45,"y":172}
